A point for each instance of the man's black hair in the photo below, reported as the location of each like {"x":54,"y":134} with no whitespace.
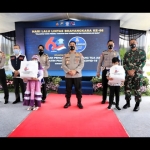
{"x":17,"y":45}
{"x":110,"y":41}
{"x":115,"y":59}
{"x":72,"y":42}
{"x":41,"y":45}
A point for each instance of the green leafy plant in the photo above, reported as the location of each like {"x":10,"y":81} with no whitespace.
{"x":148,"y":73}
{"x":53,"y":83}
{"x":96,"y":80}
{"x":122,"y":52}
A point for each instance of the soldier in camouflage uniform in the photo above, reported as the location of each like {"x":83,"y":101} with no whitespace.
{"x":44,"y":60}
{"x":133,"y":63}
{"x":105,"y":62}
{"x":72,"y":64}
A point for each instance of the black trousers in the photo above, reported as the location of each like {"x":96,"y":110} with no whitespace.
{"x":43,"y":88}
{"x":77,"y":84}
{"x":18,"y":82}
{"x":4,"y":84}
{"x":104,"y":84}
{"x":114,"y":90}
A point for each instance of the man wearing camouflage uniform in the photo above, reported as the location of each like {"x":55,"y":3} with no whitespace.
{"x":133,"y":63}
{"x":105,"y":62}
{"x":72,"y":64}
{"x":44,"y":60}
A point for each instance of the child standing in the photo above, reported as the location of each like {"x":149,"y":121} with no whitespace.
{"x":114,"y":86}
{"x":33,"y":95}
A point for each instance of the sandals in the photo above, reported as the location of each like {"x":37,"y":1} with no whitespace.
{"x":35,"y":108}
{"x":30,"y":108}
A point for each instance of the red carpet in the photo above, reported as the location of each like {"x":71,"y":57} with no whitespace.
{"x":52,"y":120}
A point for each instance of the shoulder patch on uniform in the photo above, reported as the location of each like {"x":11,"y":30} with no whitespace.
{"x":66,"y":55}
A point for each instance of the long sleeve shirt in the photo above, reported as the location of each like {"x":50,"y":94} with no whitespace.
{"x":134,"y":60}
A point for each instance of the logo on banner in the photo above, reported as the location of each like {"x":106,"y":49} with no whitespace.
{"x":80,"y":43}
{"x":67,"y":23}
{"x":72,"y":23}
{"x":54,"y":45}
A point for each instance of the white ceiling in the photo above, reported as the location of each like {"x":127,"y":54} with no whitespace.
{"x":137,"y":21}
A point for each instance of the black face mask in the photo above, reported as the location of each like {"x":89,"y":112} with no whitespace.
{"x":41,"y":51}
{"x":133,"y":46}
{"x":72,"y":48}
{"x":110,"y":46}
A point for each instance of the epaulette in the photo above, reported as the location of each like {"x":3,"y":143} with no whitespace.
{"x":45,"y":55}
{"x":104,"y":50}
{"x":78,"y":54}
{"x":67,"y":55}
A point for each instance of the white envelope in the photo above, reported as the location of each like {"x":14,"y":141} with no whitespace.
{"x":29,"y":69}
{"x":117,"y":73}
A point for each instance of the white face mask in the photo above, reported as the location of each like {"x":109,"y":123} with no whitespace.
{"x":16,"y":51}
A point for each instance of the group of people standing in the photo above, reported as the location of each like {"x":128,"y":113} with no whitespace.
{"x":14,"y":64}
{"x":33,"y":93}
{"x":133,"y":62}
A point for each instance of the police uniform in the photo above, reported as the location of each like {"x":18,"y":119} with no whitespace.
{"x":44,"y":60}
{"x":3,"y":79}
{"x":14,"y":64}
{"x":73,"y":61}
{"x":134,"y":60}
{"x":105,"y":62}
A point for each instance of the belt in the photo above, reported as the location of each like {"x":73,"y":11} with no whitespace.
{"x":107,"y":68}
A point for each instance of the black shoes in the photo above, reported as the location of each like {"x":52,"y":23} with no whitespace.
{"x":126,"y":105}
{"x":114,"y":103}
{"x":67,"y":105}
{"x":109,"y":106}
{"x":80,"y":105}
{"x":43,"y":101}
{"x":103,"y":102}
{"x":118,"y":107}
{"x":6,"y":101}
{"x":16,"y":101}
{"x":136,"y":108}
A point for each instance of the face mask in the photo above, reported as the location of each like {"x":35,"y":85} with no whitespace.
{"x":72,"y":48}
{"x":16,"y":51}
{"x":133,"y":46}
{"x":110,"y":46}
{"x":41,"y":51}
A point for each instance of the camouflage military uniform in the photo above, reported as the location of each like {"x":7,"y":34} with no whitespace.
{"x":44,"y":60}
{"x":105,"y":62}
{"x":73,"y":61}
{"x":134,"y":60}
